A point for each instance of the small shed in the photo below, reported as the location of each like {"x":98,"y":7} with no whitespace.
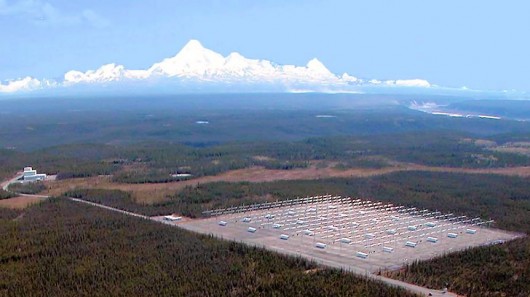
{"x":388,"y":249}
{"x":333,"y":228}
{"x":452,"y":235}
{"x":411,"y":244}
{"x":369,"y":235}
{"x":361,"y":255}
{"x":320,"y":245}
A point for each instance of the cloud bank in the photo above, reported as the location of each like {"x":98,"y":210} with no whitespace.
{"x":23,"y":84}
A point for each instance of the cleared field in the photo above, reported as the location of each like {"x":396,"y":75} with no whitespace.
{"x":21,"y":201}
{"x":156,"y":192}
{"x":518,"y":147}
{"x":353,"y":234}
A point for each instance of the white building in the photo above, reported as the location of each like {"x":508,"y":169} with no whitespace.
{"x":31,"y":175}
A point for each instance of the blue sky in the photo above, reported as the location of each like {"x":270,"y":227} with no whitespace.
{"x":478,"y":44}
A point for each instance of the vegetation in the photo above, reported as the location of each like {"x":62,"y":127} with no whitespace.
{"x":8,"y":214}
{"x":85,"y":170}
{"x":231,"y":117}
{"x":6,"y":194}
{"x":156,"y":162}
{"x":121,"y":200}
{"x":501,"y":270}
{"x":27,"y":188}
{"x":484,"y":271}
{"x":63,"y":248}
{"x":150,"y":142}
{"x":502,"y":198}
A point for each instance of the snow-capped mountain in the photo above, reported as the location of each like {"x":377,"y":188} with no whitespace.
{"x":198,"y":65}
{"x":195,"y":62}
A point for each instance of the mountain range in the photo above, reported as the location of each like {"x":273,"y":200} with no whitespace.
{"x":195,"y":67}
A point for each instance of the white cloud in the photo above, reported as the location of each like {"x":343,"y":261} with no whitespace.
{"x":409,"y":83}
{"x":41,"y":12}
{"x":350,"y":79}
{"x":24,"y":84}
{"x":424,"y":106}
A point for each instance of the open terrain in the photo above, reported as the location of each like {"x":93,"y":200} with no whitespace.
{"x":157,"y":192}
{"x":131,"y":156}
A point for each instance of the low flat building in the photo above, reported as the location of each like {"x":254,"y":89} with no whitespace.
{"x":31,"y":175}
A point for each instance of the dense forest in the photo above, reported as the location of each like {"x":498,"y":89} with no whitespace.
{"x":501,"y":270}
{"x":35,"y":123}
{"x":63,"y":248}
{"x":156,"y":162}
{"x":144,"y":143}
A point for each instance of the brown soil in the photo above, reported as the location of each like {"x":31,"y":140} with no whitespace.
{"x":20,"y":202}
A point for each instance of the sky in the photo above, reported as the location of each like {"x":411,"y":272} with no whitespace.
{"x":478,"y":44}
